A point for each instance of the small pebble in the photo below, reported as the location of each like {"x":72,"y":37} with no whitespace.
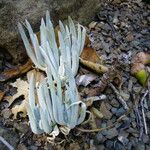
{"x":111,"y":133}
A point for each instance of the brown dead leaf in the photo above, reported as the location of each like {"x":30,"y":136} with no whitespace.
{"x":89,"y":54}
{"x":90,"y":59}
{"x":14,"y":72}
{"x":98,"y":68}
{"x":1,"y":95}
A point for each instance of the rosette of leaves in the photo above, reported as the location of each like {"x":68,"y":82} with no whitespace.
{"x":71,"y":42}
{"x":58,"y":103}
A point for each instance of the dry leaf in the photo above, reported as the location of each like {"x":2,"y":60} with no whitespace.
{"x":1,"y":95}
{"x":22,"y":89}
{"x":98,"y":68}
{"x":89,"y":54}
{"x":20,"y":108}
{"x":16,"y":71}
{"x":90,"y":59}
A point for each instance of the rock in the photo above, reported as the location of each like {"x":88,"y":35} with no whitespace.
{"x":12,"y":12}
{"x":100,"y":147}
{"x":21,"y":127}
{"x":106,"y":113}
{"x":123,"y":138}
{"x":147,"y":147}
{"x":33,"y":147}
{"x":119,"y":146}
{"x":111,"y":133}
{"x":99,"y":138}
{"x":148,"y":115}
{"x":109,"y":144}
{"x":6,"y":113}
{"x":124,"y":125}
{"x":119,"y":112}
{"x":133,"y":131}
{"x":114,"y":110}
{"x":125,"y":95}
{"x":10,"y":136}
{"x":114,"y":103}
{"x":145,"y":138}
{"x":74,"y":146}
{"x":139,"y":146}
{"x":21,"y":147}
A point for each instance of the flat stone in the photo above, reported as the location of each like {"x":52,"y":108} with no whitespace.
{"x":139,"y":146}
{"x":111,"y":133}
{"x":6,"y":113}
{"x":106,"y":113}
{"x":99,"y":138}
{"x":148,"y":115}
{"x":120,"y":111}
{"x":119,"y":146}
{"x":109,"y":144}
{"x":114,"y":103}
{"x":100,"y":147}
{"x":145,"y":138}
{"x":147,"y":147}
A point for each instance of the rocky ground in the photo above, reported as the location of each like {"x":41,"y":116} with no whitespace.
{"x":119,"y":31}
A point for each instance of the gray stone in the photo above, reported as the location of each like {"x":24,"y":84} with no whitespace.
{"x":14,"y":11}
{"x":119,"y":146}
{"x":106,"y":113}
{"x":123,"y":139}
{"x":111,"y":133}
{"x":6,"y":113}
{"x":139,"y":146}
{"x":145,"y":138}
{"x":109,"y":144}
{"x":100,"y":147}
{"x":99,"y":138}
{"x":114,"y":103}
{"x":120,"y":111}
{"x":148,"y":115}
{"x":147,"y":147}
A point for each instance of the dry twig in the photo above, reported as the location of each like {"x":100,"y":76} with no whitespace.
{"x":121,"y":100}
{"x":108,"y":127}
{"x":6,"y":143}
{"x":143,"y":113}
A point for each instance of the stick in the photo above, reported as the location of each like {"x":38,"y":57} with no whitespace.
{"x":108,"y":127}
{"x":143,"y":113}
{"x":121,"y":100}
{"x":6,"y":143}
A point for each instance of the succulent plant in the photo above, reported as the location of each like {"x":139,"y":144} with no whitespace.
{"x":58,"y":103}
{"x":71,"y":43}
{"x":54,"y":100}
